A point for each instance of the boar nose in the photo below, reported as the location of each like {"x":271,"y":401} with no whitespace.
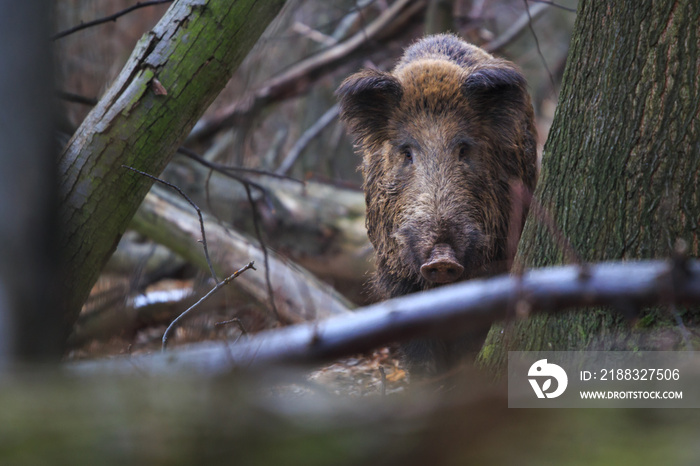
{"x":441,"y":266}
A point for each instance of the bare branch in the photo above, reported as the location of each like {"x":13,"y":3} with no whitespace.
{"x":191,"y":202}
{"x":263,"y":247}
{"x":556,"y":5}
{"x":468,"y":306}
{"x":226,"y":169}
{"x":313,"y":131}
{"x":516,"y":28}
{"x":537,"y":44}
{"x":225,"y":282}
{"x":109,"y":18}
{"x":299,"y":296}
{"x":299,"y":77}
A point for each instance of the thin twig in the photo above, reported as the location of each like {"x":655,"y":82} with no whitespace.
{"x":263,"y":247}
{"x":236,"y":321}
{"x":537,"y":44}
{"x":227,"y":169}
{"x":297,"y":78}
{"x":313,"y":131}
{"x":199,"y":213}
{"x":226,"y":281}
{"x":556,"y":5}
{"x":383,"y":375}
{"x":518,"y":26}
{"x":107,"y":19}
{"x":224,"y":170}
{"x":539,"y":212}
{"x":247,"y":184}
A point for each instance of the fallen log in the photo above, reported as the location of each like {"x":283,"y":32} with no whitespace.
{"x":298,"y":295}
{"x":466,"y":306}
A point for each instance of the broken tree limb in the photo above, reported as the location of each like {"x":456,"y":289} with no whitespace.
{"x":322,"y":230}
{"x":174,"y":73}
{"x":299,"y":296}
{"x":319,"y":226}
{"x":442,"y":312}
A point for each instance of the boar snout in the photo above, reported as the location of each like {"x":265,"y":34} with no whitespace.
{"x":442,"y":266}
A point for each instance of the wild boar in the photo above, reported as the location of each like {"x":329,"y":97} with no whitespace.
{"x":443,"y":137}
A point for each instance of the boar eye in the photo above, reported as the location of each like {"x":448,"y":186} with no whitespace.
{"x":464,"y":152}
{"x":406,"y":154}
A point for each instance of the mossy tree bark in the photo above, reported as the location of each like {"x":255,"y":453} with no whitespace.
{"x":174,"y":73}
{"x":621,"y":168}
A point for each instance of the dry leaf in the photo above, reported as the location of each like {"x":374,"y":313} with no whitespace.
{"x":158,"y":88}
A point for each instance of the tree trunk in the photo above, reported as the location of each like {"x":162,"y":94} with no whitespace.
{"x":27,"y":186}
{"x":174,"y":73}
{"x":621,"y":167}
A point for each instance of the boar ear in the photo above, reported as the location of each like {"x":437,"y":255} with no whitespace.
{"x":367,"y":98}
{"x":498,"y":81}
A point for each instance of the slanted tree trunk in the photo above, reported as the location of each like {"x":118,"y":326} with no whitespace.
{"x":621,"y":168}
{"x":174,"y":73}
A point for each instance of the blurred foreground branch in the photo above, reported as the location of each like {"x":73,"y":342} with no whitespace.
{"x":465,"y":306}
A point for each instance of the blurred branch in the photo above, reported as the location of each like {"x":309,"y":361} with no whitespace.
{"x":313,"y":131}
{"x":537,"y":45}
{"x":349,"y":20}
{"x":439,"y":17}
{"x":107,"y":19}
{"x":77,"y":98}
{"x":323,"y":225}
{"x":470,"y":305}
{"x":516,"y":28}
{"x":299,"y":77}
{"x":313,"y":34}
{"x":199,"y":215}
{"x":556,"y":5}
{"x":298,"y":296}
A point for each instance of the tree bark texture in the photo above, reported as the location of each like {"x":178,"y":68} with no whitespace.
{"x":173,"y":74}
{"x":621,"y":168}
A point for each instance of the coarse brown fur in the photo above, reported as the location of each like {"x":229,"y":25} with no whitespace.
{"x":443,"y":137}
